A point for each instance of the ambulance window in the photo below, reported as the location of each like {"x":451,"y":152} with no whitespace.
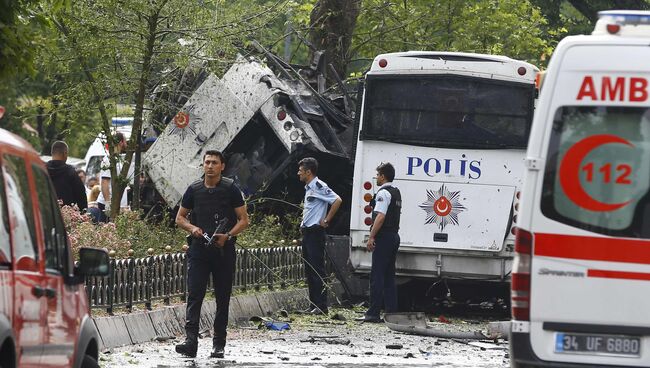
{"x":19,"y":201}
{"x":597,"y":173}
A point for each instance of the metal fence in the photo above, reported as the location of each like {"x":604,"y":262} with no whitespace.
{"x":145,"y":280}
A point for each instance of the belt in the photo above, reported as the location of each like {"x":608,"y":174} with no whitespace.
{"x":312,"y":228}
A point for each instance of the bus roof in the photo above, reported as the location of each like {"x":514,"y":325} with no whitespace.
{"x":423,"y":62}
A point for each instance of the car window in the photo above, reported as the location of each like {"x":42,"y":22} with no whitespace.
{"x":54,"y":249}
{"x":20,"y":205}
{"x":5,"y":240}
{"x":597,"y":174}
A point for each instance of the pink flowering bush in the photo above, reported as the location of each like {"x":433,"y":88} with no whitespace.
{"x":127,"y":232}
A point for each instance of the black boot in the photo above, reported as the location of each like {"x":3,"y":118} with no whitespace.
{"x":217,"y":351}
{"x":188,"y":347}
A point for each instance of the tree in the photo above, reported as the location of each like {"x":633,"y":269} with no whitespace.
{"x":332,"y":24}
{"x":125,"y":49}
{"x":508,"y":27}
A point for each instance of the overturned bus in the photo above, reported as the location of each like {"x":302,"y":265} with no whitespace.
{"x":264,"y":125}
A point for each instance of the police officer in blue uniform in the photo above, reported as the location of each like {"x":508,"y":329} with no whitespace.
{"x":315,"y":219}
{"x":383,"y":243}
{"x":217,"y":215}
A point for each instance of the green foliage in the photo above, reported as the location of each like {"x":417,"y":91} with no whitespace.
{"x":143,"y":235}
{"x":129,"y":231}
{"x":270,"y":230}
{"x":506,"y":27}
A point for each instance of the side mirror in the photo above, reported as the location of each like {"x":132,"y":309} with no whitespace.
{"x":93,"y":262}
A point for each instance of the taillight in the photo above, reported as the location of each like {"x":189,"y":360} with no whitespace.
{"x":368,"y":221}
{"x":367,"y":197}
{"x":520,"y":285}
{"x":613,"y":28}
{"x":282,"y":115}
{"x":521,"y":70}
{"x":367,"y":209}
{"x":383,"y":63}
{"x":367,"y":185}
{"x":515,"y":211}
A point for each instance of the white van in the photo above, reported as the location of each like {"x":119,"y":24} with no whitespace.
{"x":98,"y":149}
{"x":581,"y":275}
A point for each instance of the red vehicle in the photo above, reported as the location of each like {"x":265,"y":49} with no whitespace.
{"x":44,"y":314}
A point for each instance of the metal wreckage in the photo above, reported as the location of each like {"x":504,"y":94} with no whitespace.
{"x":264,"y":121}
{"x":264,"y":116}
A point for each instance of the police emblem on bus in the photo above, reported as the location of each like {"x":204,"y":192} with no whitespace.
{"x":442,"y":207}
{"x":185,"y":122}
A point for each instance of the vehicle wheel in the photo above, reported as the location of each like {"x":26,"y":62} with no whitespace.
{"x":89,"y":362}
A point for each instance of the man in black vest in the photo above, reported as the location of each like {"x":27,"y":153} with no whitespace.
{"x":383,"y":243}
{"x":218,"y":214}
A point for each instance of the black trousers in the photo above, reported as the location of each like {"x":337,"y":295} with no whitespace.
{"x":203,"y":261}
{"x":313,"y":251}
{"x":382,"y":274}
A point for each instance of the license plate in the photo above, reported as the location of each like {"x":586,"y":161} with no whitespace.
{"x":597,"y":344}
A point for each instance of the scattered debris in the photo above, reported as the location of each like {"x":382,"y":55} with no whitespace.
{"x":332,"y":340}
{"x":277,"y":326}
{"x":416,"y":323}
{"x":338,"y":317}
{"x":486,"y":346}
{"x":394,"y":346}
{"x":164,"y":338}
{"x":409,"y":355}
{"x":499,"y":330}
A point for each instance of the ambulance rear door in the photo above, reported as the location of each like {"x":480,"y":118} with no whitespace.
{"x":590,"y":273}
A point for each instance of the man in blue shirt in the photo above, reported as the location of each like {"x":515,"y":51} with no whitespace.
{"x":384,"y":243}
{"x":315,"y":219}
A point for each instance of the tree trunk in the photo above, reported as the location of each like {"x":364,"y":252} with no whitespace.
{"x":136,"y":138}
{"x":333,"y":23}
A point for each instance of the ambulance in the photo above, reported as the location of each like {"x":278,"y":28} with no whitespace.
{"x":581,"y":273}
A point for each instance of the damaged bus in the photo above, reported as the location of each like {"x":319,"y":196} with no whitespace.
{"x":456,"y":127}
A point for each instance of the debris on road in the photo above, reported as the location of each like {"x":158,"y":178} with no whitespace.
{"x":394,"y":346}
{"x":332,"y":340}
{"x":416,"y":323}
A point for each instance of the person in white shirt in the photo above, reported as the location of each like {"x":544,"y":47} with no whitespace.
{"x":104,"y":199}
{"x":383,"y":243}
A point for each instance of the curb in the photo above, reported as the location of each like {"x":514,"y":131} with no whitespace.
{"x":135,"y":328}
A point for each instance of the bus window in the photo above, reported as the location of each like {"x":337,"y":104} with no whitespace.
{"x":448,"y":111}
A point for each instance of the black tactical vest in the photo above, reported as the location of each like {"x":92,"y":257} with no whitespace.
{"x":391,"y":222}
{"x":212,"y":205}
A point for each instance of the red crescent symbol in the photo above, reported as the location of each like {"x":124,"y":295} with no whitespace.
{"x":570,"y":172}
{"x":442,"y":207}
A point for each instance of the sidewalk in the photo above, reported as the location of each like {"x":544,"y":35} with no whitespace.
{"x":139,"y":327}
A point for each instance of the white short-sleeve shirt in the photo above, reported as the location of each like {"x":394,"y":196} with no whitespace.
{"x":383,"y":198}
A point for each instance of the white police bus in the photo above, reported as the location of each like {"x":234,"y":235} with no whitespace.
{"x":456,"y":127}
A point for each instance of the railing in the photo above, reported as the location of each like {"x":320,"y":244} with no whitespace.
{"x":162,"y":277}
